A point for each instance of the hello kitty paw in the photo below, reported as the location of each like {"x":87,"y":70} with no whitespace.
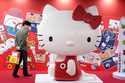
{"x":71,"y":68}
{"x":51,"y":69}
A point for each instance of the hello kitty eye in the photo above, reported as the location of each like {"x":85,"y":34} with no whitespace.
{"x":89,"y":39}
{"x":50,"y":38}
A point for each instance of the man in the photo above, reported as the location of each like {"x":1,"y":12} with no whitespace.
{"x":21,"y":45}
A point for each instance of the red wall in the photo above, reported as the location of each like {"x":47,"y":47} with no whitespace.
{"x":115,"y":10}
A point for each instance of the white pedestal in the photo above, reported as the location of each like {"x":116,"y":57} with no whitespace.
{"x":119,"y":75}
{"x":88,"y":78}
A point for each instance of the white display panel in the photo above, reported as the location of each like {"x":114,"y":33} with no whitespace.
{"x":88,"y":78}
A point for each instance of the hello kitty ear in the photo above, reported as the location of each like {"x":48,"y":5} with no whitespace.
{"x":48,"y":9}
{"x":92,"y":10}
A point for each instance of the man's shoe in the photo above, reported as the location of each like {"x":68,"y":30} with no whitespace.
{"x":27,"y":75}
{"x":15,"y":76}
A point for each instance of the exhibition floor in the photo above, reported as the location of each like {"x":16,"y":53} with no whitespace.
{"x":6,"y":77}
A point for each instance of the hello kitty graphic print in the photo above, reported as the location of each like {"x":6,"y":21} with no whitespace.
{"x":66,"y":34}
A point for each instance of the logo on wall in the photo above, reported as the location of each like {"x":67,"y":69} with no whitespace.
{"x":11,"y":22}
{"x":2,"y":48}
{"x":9,"y":43}
{"x":114,"y":24}
{"x":3,"y":36}
{"x":108,"y":63}
{"x":34,"y":27}
{"x":35,"y":19}
{"x":107,"y":40}
{"x":1,"y":28}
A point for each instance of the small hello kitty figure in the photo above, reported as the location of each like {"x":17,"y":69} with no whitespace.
{"x":67,"y":34}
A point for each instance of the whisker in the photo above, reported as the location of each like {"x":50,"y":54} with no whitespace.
{"x":39,"y":34}
{"x":99,"y":36}
{"x":96,"y":46}
{"x":98,"y":41}
{"x":42,"y":45}
{"x":40,"y":40}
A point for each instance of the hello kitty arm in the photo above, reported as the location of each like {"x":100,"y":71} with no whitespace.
{"x":52,"y":58}
{"x":51,"y":65}
{"x":51,"y":69}
{"x":71,"y":67}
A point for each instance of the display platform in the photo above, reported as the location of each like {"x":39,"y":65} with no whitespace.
{"x":119,"y":75}
{"x":87,"y":78}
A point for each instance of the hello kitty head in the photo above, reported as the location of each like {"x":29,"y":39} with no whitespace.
{"x":60,"y":32}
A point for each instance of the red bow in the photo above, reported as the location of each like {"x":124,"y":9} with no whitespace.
{"x":80,"y":14}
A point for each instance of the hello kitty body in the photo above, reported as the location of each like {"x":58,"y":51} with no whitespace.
{"x":66,"y":38}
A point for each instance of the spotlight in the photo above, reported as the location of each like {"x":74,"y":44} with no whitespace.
{"x":109,"y":1}
{"x":65,"y":1}
{"x":21,"y":1}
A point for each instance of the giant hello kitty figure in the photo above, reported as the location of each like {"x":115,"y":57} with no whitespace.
{"x":67,"y":34}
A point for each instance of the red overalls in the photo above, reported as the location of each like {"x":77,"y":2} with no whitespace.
{"x":61,"y":67}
